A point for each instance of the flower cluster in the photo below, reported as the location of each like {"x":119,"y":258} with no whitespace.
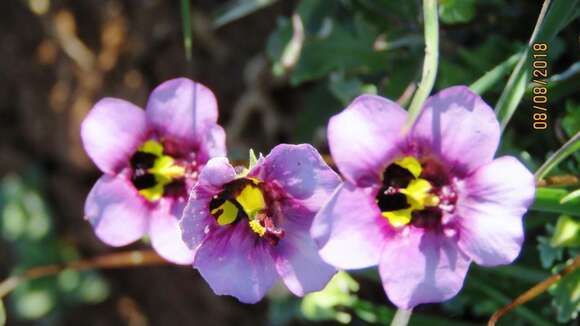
{"x":422,"y":204}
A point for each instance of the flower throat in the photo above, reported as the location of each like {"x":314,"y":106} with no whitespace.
{"x":413,"y":193}
{"x":243,"y":199}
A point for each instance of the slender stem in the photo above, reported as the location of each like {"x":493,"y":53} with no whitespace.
{"x":187,"y":28}
{"x":134,"y":258}
{"x":430,"y":62}
{"x":533,"y":292}
{"x":402,"y":317}
{"x":566,"y":150}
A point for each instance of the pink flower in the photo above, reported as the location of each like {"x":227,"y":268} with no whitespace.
{"x":250,"y":230}
{"x":424,"y":205}
{"x":150,"y":160}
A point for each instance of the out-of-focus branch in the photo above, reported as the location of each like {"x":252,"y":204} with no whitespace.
{"x":134,"y":258}
{"x":533,"y":292}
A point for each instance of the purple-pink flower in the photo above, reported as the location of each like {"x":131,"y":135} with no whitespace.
{"x":422,"y":205}
{"x":250,"y":228}
{"x":150,"y":160}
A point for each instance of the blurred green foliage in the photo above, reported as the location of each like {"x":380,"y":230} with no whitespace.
{"x":26,"y":226}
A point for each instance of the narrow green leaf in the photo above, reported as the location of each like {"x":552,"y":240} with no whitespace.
{"x":548,"y":200}
{"x":430,"y":63}
{"x":550,"y":21}
{"x":237,"y":9}
{"x":494,"y":76}
{"x":570,"y":147}
{"x":187,"y":28}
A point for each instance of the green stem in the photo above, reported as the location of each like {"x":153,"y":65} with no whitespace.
{"x":402,"y":317}
{"x":430,"y":62}
{"x":566,"y":150}
{"x":187,"y":28}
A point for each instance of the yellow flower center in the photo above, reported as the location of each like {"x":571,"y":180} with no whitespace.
{"x":417,"y":193}
{"x":245,"y":202}
{"x":164,"y":170}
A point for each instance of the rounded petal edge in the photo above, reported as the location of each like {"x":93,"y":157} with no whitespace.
{"x":116,"y":211}
{"x":365,"y":136}
{"x":112,"y":132}
{"x":491,"y":206}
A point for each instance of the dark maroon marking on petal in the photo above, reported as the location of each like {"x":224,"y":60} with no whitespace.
{"x":175,"y":189}
{"x":428,"y":218}
{"x":142,"y":160}
{"x":434,"y":172}
{"x":391,"y":202}
{"x":396,"y":176}
{"x":143,"y":180}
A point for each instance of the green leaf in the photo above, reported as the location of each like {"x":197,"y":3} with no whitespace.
{"x":548,"y":254}
{"x":345,"y":48}
{"x":325,"y":304}
{"x":345,"y":90}
{"x":571,"y":121}
{"x":236,"y":9}
{"x":566,"y":233}
{"x":566,"y":297}
{"x":456,"y":11}
{"x":549,"y":200}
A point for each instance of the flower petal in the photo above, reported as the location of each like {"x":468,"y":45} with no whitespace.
{"x":117,"y":212}
{"x":112,"y":132}
{"x":183,"y":110}
{"x":422,"y":267}
{"x":349,"y":229}
{"x":365,"y":137}
{"x":296,"y":255}
{"x":234,"y":263}
{"x":166,"y":234}
{"x":217,"y":172}
{"x":459,"y":127}
{"x":215,"y":143}
{"x":301,"y":172}
{"x":491,"y":207}
{"x":196,"y":220}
